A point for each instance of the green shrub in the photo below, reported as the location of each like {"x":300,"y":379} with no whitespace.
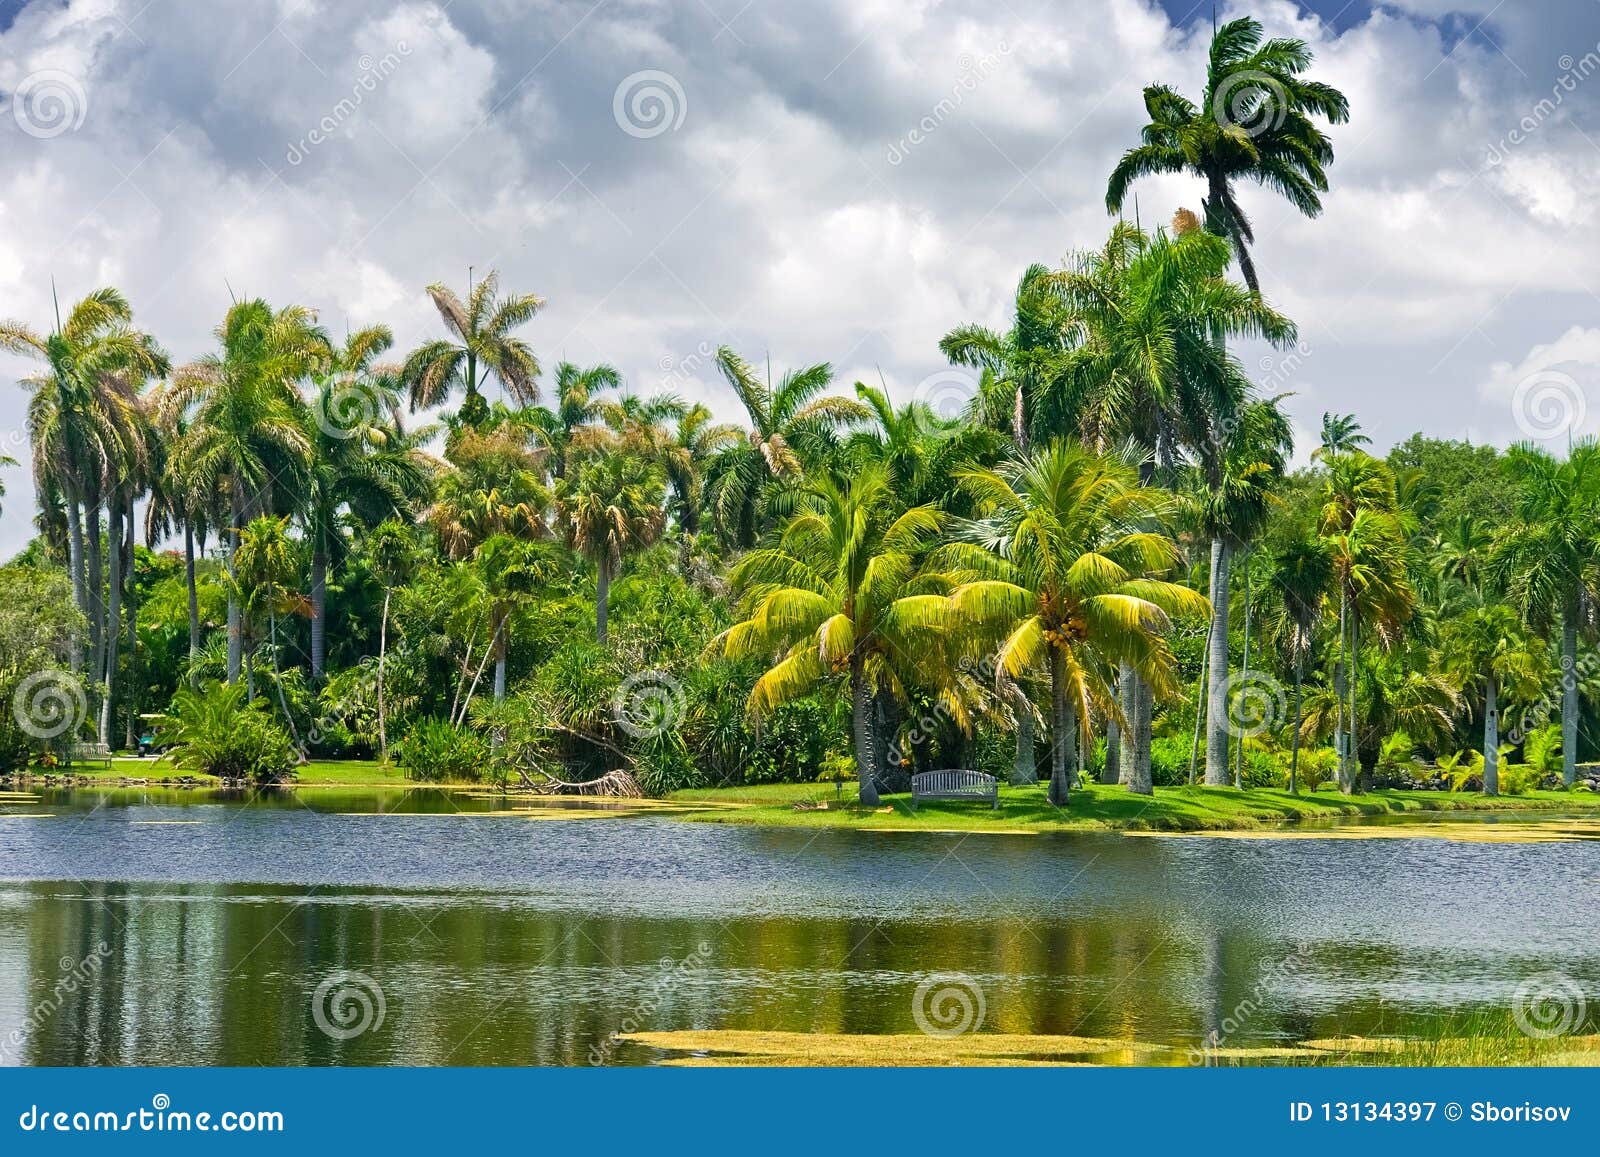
{"x":434,"y":752}
{"x":216,"y":731}
{"x":1169,"y":760}
{"x":1317,"y":767}
{"x":1519,"y":778}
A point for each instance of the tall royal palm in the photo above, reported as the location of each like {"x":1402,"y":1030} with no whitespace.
{"x":838,"y":595}
{"x":576,"y":406}
{"x":1548,"y":560}
{"x":1064,"y":567}
{"x":1302,"y":575}
{"x":1253,"y":122}
{"x":482,"y":345}
{"x":246,"y":433}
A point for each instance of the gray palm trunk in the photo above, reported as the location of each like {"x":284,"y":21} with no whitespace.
{"x":1294,"y":749}
{"x":1063,"y":731}
{"x":235,"y":623}
{"x":1491,"y":738}
{"x":1569,"y":697}
{"x":75,"y":562}
{"x":319,"y":609}
{"x":194,"y":600}
{"x":277,"y":681}
{"x":1340,"y":746}
{"x":131,"y":601}
{"x":1140,"y":709}
{"x":95,"y":579}
{"x":1024,"y":769}
{"x":383,"y":654}
{"x":602,"y":597}
{"x":1111,"y":770}
{"x":1244,"y":671}
{"x":500,"y":657}
{"x":861,"y":728}
{"x":111,"y":632}
{"x":1217,"y":686}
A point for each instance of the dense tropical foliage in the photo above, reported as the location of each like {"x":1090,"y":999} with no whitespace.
{"x":1104,"y":567}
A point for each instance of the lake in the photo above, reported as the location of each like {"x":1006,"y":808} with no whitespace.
{"x":385,"y":927}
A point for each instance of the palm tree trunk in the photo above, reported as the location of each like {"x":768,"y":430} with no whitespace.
{"x":383,"y":651}
{"x":1354,"y":738}
{"x":1063,"y":730}
{"x":1339,"y":746}
{"x":1491,"y":738}
{"x":602,"y":597}
{"x":1136,"y":748}
{"x":500,"y":649}
{"x":1569,"y":697}
{"x":1111,"y":771}
{"x":277,"y":681}
{"x":1294,"y":749}
{"x":1217,"y":690}
{"x":1200,"y":706}
{"x":111,"y":632}
{"x":861,"y":726}
{"x":319,"y":604}
{"x":130,"y":598}
{"x":235,"y":623}
{"x":75,"y":563}
{"x":1244,"y":670}
{"x":194,"y":602}
{"x":96,"y":608}
{"x":1023,"y":769}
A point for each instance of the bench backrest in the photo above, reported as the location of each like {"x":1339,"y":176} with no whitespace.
{"x":952,"y":780}
{"x":91,"y":749}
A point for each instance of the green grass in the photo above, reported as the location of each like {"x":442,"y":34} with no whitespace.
{"x":1025,"y":809}
{"x":317,"y":773}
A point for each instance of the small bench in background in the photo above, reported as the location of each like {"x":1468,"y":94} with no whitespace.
{"x":954,"y":784}
{"x":89,"y":753}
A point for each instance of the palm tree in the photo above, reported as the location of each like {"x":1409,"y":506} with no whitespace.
{"x":1236,"y":483}
{"x":263,"y":574}
{"x":361,"y":461}
{"x":1485,"y":649}
{"x":1366,"y":538}
{"x":1017,"y":365}
{"x":1341,"y":433}
{"x":920,"y":450}
{"x":246,"y":435}
{"x":86,"y":426}
{"x":1548,"y":560}
{"x":611,"y":507}
{"x":1062,"y":564}
{"x":791,"y":430}
{"x":391,"y":550}
{"x":576,"y":407}
{"x":838,"y":594}
{"x":1253,"y":122}
{"x":483,"y":346}
{"x":493,"y":485}
{"x":1302,"y":574}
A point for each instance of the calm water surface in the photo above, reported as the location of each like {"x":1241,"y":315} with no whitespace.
{"x":209,"y":924}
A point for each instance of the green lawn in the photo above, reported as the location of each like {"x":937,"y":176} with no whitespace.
{"x":341,"y":772}
{"x":1024,"y":809}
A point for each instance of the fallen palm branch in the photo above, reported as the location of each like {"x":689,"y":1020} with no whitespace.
{"x":617,"y":784}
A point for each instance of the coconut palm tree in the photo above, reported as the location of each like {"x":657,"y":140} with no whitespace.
{"x":1253,"y":122}
{"x":610,"y":507}
{"x":246,"y":434}
{"x":1547,"y":560}
{"x":791,"y":431}
{"x":265,"y":566}
{"x":482,"y":345}
{"x":1063,"y":566}
{"x":1341,"y":433}
{"x":576,"y":407}
{"x":838,"y":594}
{"x":920,"y":449}
{"x":85,"y":423}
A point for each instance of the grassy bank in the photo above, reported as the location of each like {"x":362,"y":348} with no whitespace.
{"x":317,"y":773}
{"x":1108,"y":808}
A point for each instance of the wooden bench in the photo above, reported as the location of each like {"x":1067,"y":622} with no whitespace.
{"x":954,"y":785}
{"x":89,"y":753}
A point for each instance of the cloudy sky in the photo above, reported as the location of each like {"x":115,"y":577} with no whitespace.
{"x":675,"y":175}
